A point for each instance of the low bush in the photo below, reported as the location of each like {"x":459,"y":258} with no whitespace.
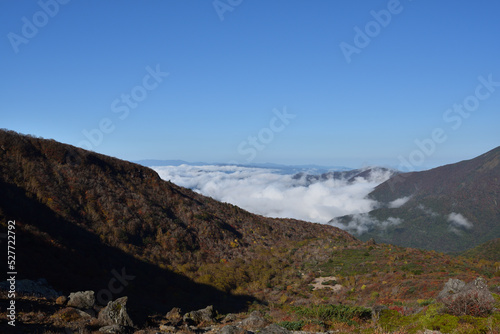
{"x":472,"y":303}
{"x":341,"y":313}
{"x":292,"y":325}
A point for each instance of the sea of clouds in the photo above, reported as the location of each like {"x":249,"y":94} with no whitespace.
{"x":273,"y":193}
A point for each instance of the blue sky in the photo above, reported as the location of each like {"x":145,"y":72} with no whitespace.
{"x":236,"y":67}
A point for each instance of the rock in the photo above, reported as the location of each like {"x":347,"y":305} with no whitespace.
{"x":38,"y":288}
{"x":61,"y":300}
{"x":254,"y":321}
{"x":479,"y":284}
{"x":115,"y":329}
{"x":174,"y":316}
{"x":71,"y":314}
{"x":473,"y":298}
{"x":453,"y":286}
{"x":232,"y":329}
{"x":479,"y":289}
{"x":168,"y":329}
{"x":83,"y":314}
{"x":274,"y":329}
{"x":206,"y":315}
{"x":82,"y":299}
{"x":115,"y":313}
{"x":231,"y":317}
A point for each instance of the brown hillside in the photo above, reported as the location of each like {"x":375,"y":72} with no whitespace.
{"x":80,"y":215}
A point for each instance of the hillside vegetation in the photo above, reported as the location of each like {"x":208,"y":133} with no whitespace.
{"x":81,"y":217}
{"x":488,"y":251}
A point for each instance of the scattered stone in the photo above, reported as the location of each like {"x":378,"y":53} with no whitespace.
{"x":174,"y":316}
{"x":232,"y":329}
{"x":206,"y":315}
{"x":114,"y":329}
{"x":38,"y":288}
{"x":115,"y":313}
{"x":82,"y":299}
{"x":254,"y":321}
{"x":61,"y":300}
{"x":168,"y":329}
{"x":326,"y":283}
{"x":274,"y":329}
{"x":231,"y":317}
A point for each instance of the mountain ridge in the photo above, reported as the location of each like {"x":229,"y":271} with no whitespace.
{"x":449,"y":208}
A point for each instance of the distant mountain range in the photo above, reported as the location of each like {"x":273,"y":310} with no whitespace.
{"x":449,"y":208}
{"x":352,"y":175}
{"x":289,"y":169}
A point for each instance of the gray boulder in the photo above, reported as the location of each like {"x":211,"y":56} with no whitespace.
{"x":452,"y":287}
{"x":254,"y":321}
{"x":479,"y":287}
{"x":232,"y":329}
{"x":174,"y":316}
{"x":115,"y":313}
{"x":231,"y":317}
{"x":456,"y":288}
{"x":113,"y":329}
{"x":82,"y":300}
{"x":168,"y":329}
{"x":274,"y":329}
{"x":206,"y":315}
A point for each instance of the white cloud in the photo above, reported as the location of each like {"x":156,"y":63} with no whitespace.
{"x":269,"y":193}
{"x":427,"y":211}
{"x":399,"y":202}
{"x":457,"y":220}
{"x":362,"y":223}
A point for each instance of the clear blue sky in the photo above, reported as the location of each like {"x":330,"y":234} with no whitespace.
{"x":77,"y":65}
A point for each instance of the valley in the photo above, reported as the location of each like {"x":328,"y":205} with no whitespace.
{"x":89,"y":222}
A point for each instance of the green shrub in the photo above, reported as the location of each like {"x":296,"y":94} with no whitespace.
{"x":425,"y":302}
{"x":434,"y":319}
{"x":341,"y":313}
{"x":480,"y":325}
{"x":292,"y":325}
{"x":445,"y":323}
{"x":389,"y":320}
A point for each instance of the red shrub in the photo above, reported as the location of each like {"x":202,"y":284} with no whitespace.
{"x":472,"y":303}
